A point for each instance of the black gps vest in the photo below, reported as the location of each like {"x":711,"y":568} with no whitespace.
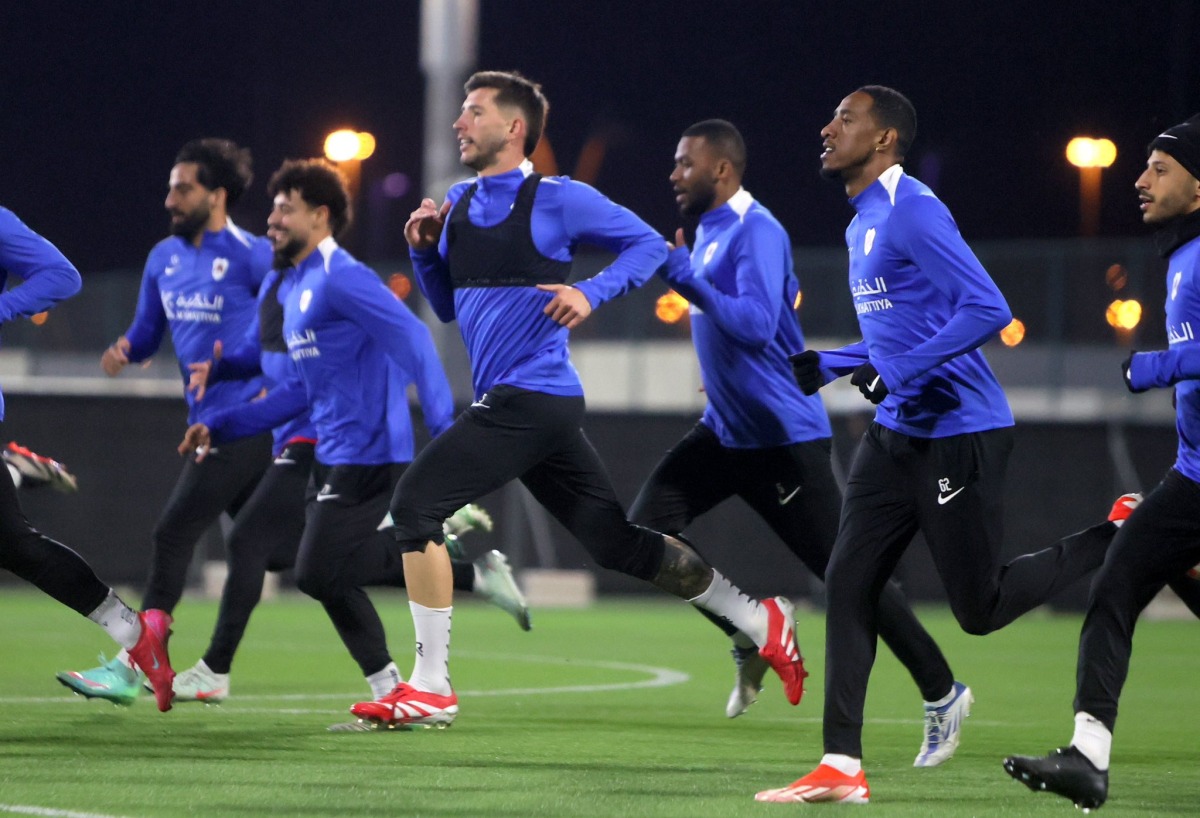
{"x":504,"y":254}
{"x":270,"y":319}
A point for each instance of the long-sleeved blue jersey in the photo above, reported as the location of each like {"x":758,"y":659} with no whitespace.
{"x":48,"y":276}
{"x":356,"y":348}
{"x":248,"y":358}
{"x":203,"y":294}
{"x":925,"y":305}
{"x":1179,"y":364}
{"x":740,"y":282}
{"x":509,"y":340}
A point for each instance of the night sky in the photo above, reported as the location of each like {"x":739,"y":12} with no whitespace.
{"x":96,"y":98}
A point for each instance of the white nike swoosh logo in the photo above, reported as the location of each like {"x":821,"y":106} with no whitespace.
{"x":481,"y":405}
{"x":284,"y":461}
{"x":945,"y":498}
{"x":871,"y":386}
{"x":323,"y":497}
{"x":783,"y":501}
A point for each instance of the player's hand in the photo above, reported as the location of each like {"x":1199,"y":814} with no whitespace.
{"x":806,"y":368}
{"x":424,"y":226}
{"x":1127,"y":373}
{"x":116,"y":357}
{"x":569,"y":307}
{"x":198,"y":380}
{"x":678,"y":266}
{"x":196,"y":439}
{"x":870,"y":383}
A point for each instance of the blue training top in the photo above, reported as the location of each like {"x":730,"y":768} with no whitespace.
{"x":203,"y":294}
{"x":925,"y":305}
{"x":740,"y":282}
{"x":509,"y":340}
{"x":248,"y":358}
{"x":356,"y":348}
{"x":48,"y":276}
{"x":1179,"y":364}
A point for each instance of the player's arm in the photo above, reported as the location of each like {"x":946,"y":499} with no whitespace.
{"x":433,"y":388}
{"x":589,"y":217}
{"x":423,"y":231}
{"x":927,"y":231}
{"x":750,"y":314}
{"x":49,"y":277}
{"x":282,"y":402}
{"x":145,"y":333}
{"x":358,"y":294}
{"x":1162,"y":368}
{"x":813,"y":369}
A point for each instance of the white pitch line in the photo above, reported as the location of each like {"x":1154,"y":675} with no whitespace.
{"x":659,"y":677}
{"x":47,"y":812}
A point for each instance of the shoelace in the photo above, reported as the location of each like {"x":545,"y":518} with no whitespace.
{"x":934,"y":721}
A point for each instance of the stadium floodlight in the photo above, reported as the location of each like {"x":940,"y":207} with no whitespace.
{"x":1090,"y":156}
{"x":1124,"y":315}
{"x":1014,"y":333}
{"x":1086,"y":152}
{"x":345,"y":144}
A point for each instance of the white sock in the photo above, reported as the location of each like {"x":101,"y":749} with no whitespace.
{"x":118,"y":620}
{"x":843,"y":764}
{"x":16,"y":475}
{"x":382,"y":681}
{"x":431,"y":671}
{"x":1092,"y":739}
{"x":724,"y":599}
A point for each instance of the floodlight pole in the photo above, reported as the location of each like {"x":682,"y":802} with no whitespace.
{"x":449,"y":41}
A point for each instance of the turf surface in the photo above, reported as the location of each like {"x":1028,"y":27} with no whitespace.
{"x":617,"y":710}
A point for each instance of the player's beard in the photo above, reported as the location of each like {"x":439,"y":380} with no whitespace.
{"x":191,"y":224}
{"x":485,"y":155}
{"x":699,"y":200}
{"x":285,"y":255}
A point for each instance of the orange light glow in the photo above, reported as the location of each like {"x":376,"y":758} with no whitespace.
{"x":671,"y":307}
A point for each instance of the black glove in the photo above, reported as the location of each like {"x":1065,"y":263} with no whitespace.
{"x":1126,"y":366}
{"x":870,"y":383}
{"x":806,"y":367}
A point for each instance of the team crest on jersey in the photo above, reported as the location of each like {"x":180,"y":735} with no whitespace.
{"x":868,"y":241}
{"x":1175,"y":285}
{"x":220,"y":268}
{"x":305,"y":300}
{"x":709,"y":252}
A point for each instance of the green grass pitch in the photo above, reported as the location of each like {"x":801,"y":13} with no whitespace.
{"x":616,"y":710}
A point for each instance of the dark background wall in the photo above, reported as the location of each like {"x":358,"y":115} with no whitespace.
{"x":1061,"y":478}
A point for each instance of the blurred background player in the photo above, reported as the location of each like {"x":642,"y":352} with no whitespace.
{"x":1160,"y":541}
{"x":761,"y":438}
{"x":935,"y":456}
{"x":352,"y":346}
{"x":51,"y":566}
{"x":500,"y":268}
{"x":201,"y":283}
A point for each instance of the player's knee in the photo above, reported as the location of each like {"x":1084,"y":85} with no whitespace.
{"x":974,"y":621}
{"x":315,"y":582}
{"x":412,"y":525}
